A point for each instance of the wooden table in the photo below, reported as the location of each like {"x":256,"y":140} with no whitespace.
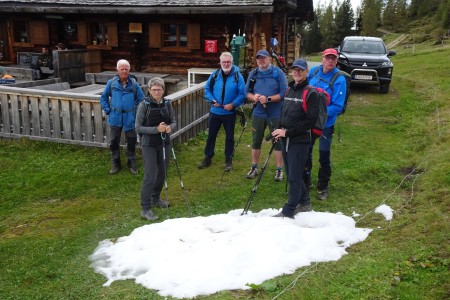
{"x":194,"y":71}
{"x":91,"y":89}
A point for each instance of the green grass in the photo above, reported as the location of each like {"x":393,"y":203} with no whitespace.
{"x":58,"y":201}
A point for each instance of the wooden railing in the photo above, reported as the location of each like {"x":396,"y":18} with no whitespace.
{"x":71,"y":118}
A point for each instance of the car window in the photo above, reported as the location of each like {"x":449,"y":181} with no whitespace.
{"x":370,"y":47}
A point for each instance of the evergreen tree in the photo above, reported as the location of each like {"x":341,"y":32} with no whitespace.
{"x":327,"y":27}
{"x":345,"y":21}
{"x":389,"y":14}
{"x":312,"y":36}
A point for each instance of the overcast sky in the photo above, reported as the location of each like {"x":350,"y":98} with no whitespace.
{"x":187,"y":257}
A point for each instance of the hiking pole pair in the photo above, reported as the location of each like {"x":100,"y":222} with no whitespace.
{"x":163,"y":138}
{"x":181,"y":181}
{"x":255,"y":187}
{"x":244,"y":126}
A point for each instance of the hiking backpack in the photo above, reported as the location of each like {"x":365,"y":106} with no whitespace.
{"x":324,"y":98}
{"x":133,"y":80}
{"x":348,"y":81}
{"x":213,"y":79}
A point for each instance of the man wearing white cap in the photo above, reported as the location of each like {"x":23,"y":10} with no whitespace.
{"x":266,"y":86}
{"x":322,"y":79}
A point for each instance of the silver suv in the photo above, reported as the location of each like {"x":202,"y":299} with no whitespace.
{"x":367,"y":61}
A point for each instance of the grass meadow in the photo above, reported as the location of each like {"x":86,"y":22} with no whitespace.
{"x":57,"y":202}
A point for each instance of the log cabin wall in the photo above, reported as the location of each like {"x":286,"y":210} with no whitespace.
{"x":46,"y":30}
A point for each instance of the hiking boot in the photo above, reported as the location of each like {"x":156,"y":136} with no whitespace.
{"x":161,"y":203}
{"x":252,"y":173}
{"x":149,"y":215}
{"x":281,"y":215}
{"x":302,"y":208}
{"x":115,"y":168}
{"x":228,"y":166}
{"x":322,"y":195}
{"x":278,"y":175}
{"x":205,"y":163}
{"x":132,"y":167}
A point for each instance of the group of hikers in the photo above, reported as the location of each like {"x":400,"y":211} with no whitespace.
{"x":289,"y":110}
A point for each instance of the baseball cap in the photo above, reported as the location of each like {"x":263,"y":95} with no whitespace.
{"x":330,"y":51}
{"x":263,"y":53}
{"x":300,"y":63}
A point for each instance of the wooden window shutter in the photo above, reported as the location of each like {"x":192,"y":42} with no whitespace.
{"x":82,"y":33}
{"x":113,"y":40}
{"x":193,"y":38}
{"x":154,"y":35}
{"x":39,"y":32}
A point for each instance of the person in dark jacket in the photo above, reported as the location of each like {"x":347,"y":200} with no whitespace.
{"x":155,"y":120}
{"x":295,"y":133}
{"x":224,"y":90}
{"x":119,"y":100}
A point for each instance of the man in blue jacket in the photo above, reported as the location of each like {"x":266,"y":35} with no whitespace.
{"x":265,"y":88}
{"x":119,"y":101}
{"x":322,"y":79}
{"x":224,"y":90}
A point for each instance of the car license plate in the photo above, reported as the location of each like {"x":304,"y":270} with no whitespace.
{"x":363,"y":77}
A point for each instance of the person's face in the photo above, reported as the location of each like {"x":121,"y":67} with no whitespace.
{"x":123,"y":71}
{"x":156,"y":91}
{"x":299,"y":75}
{"x":263,"y":62}
{"x":226,"y":64}
{"x":329,"y":62}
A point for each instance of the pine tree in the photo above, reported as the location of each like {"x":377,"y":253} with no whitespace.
{"x":345,"y":21}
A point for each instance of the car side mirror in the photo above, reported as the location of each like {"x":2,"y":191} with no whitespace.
{"x":391,"y":53}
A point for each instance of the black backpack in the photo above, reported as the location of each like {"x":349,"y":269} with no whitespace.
{"x":348,"y":81}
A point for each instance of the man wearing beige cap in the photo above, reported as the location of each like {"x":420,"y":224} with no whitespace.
{"x":322,"y":78}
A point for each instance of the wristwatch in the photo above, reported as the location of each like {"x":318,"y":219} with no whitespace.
{"x":269,"y":99}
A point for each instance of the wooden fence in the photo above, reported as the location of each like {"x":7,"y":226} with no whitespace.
{"x":71,"y":118}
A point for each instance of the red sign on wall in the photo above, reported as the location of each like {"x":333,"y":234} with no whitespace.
{"x":210,"y":46}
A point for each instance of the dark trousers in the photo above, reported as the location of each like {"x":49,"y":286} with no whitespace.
{"x":155,"y":170}
{"x":214,"y":124}
{"x":295,"y":159}
{"x":324,"y":159}
{"x":114,"y":144}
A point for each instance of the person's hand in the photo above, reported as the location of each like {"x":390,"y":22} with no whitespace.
{"x":263,"y":100}
{"x":228,"y":106}
{"x":162,"y":127}
{"x":214,"y":102}
{"x":277,"y":133}
{"x":256,"y":97}
{"x":168,"y":129}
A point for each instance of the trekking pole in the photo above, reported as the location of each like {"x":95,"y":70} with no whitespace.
{"x":244,"y":126}
{"x":163,"y":138}
{"x":255,"y":187}
{"x":181,"y":182}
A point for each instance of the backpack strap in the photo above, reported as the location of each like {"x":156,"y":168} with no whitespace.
{"x":213,"y":79}
{"x":305,"y":94}
{"x":133,"y":81}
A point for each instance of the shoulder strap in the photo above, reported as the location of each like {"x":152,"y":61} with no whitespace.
{"x":333,"y":79}
{"x":114,"y":79}
{"x":305,"y":95}
{"x":213,"y":79}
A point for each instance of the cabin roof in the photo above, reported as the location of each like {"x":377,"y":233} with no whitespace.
{"x":139,"y":6}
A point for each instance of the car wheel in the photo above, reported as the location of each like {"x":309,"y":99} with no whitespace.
{"x":384,"y":88}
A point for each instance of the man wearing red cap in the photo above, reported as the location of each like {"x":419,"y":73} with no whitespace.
{"x":322,"y":79}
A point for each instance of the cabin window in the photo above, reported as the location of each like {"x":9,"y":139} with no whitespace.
{"x":99,"y":34}
{"x":21,"y":32}
{"x":174,"y":36}
{"x":29,"y":33}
